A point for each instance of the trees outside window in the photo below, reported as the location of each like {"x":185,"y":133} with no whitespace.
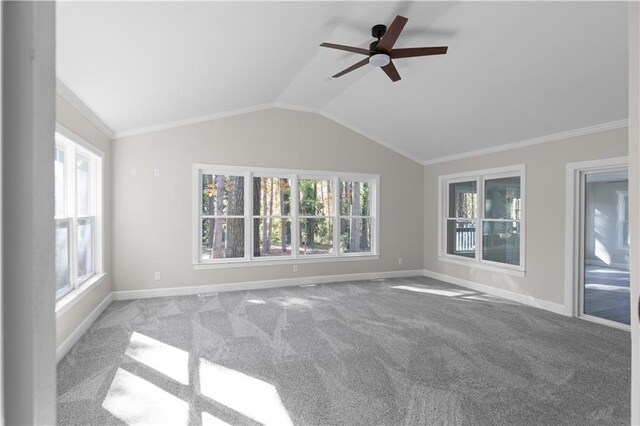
{"x":271,"y":216}
{"x":222,"y":216}
{"x":283,"y":214}
{"x":355,"y":217}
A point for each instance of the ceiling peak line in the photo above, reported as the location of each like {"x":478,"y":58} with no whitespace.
{"x":554,"y":137}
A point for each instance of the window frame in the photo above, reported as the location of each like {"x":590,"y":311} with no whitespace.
{"x":75,"y":147}
{"x":372,"y":215}
{"x":480,"y":177}
{"x":294,"y":175}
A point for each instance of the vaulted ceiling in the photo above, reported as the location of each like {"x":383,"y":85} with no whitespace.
{"x":514,"y":70}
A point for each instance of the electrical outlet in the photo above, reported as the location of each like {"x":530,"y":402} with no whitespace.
{"x":295,"y":268}
{"x":156,"y":172}
{"x":157,"y":276}
{"x":399,"y":261}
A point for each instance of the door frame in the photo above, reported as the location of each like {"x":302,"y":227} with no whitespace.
{"x":573,"y":236}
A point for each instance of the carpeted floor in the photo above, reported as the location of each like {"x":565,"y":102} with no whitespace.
{"x":409,"y":351}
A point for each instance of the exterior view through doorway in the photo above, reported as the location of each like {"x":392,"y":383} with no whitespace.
{"x":604,"y":281}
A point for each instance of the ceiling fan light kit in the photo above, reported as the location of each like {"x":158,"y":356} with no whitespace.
{"x":381,"y":52}
{"x":379,"y":60}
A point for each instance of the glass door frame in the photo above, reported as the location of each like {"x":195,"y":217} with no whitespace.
{"x":581,"y":234}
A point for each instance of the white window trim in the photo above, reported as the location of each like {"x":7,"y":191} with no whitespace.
{"x":480,"y":176}
{"x":81,"y":285}
{"x":293,"y":174}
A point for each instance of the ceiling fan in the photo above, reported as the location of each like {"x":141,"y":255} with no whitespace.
{"x":381,"y":52}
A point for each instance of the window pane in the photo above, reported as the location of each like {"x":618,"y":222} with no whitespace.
{"x":461,"y":238}
{"x":85,"y":247}
{"x":222,"y":195}
{"x":502,"y":198}
{"x":463,"y":199}
{"x":273,"y":236}
{"x":84,"y":195}
{"x":271,"y":196}
{"x":59,"y":182}
{"x":62,"y":257}
{"x":222,"y":238}
{"x":316,"y":236}
{"x":316,"y":197}
{"x":501,"y":242}
{"x":355,"y":235}
{"x":354,"y":199}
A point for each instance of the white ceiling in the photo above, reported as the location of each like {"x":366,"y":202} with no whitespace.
{"x":514,"y":70}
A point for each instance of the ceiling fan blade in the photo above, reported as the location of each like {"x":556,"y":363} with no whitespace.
{"x":391,"y":71}
{"x":352,"y":67}
{"x":417,"y":51}
{"x":393,"y":32}
{"x":347,"y":48}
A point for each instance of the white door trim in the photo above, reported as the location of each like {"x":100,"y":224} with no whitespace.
{"x":572,"y":225}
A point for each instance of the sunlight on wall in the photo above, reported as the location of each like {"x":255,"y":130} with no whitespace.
{"x":247,"y":395}
{"x":601,"y":252}
{"x":138,"y":402}
{"x":166,"y":359}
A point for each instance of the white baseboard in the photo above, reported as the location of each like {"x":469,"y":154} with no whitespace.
{"x":505,"y":294}
{"x":256,"y":285}
{"x":68,"y":343}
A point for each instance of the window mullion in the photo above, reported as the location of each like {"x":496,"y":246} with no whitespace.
{"x":248,"y":216}
{"x":295,"y":232}
{"x":479,"y":217}
{"x":73,"y":214}
{"x":336,"y":215}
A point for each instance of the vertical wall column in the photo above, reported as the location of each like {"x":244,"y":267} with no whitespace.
{"x":634,"y":202}
{"x":28,"y":118}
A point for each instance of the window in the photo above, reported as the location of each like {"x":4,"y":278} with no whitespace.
{"x":282,"y":216}
{"x":483,"y":217}
{"x":77,"y":194}
{"x":355,"y":217}
{"x":316,"y":218}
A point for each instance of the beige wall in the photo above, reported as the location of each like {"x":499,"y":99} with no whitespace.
{"x":152,"y":217}
{"x":70,"y":118}
{"x":545,"y":210}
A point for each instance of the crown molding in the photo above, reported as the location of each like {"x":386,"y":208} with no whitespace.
{"x":612,"y":125}
{"x":290,"y":107}
{"x":82,"y":108}
{"x":192,"y":120}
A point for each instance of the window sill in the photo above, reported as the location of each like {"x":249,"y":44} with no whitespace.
{"x":270,"y":262}
{"x":70,"y":299}
{"x":478,"y":265}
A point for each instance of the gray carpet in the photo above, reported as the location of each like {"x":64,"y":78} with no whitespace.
{"x":408,"y":351}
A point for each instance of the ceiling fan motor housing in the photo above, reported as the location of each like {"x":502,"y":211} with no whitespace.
{"x":377,"y":31}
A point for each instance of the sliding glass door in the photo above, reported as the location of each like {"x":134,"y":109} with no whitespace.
{"x":604,"y":283}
